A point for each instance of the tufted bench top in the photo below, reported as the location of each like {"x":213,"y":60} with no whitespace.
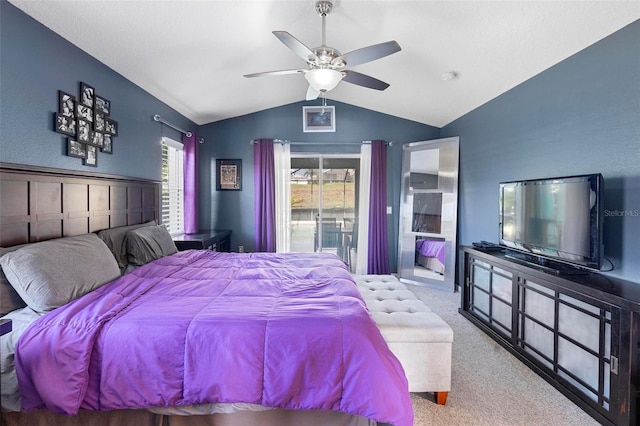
{"x":399,"y":314}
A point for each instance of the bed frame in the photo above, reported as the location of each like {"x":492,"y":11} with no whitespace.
{"x":38,"y":204}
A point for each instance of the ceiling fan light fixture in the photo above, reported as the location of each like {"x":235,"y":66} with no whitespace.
{"x":323,"y":79}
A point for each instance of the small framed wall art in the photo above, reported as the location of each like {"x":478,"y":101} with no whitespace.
{"x":318,"y":119}
{"x":111,"y":127}
{"x":92,"y":156}
{"x":84,"y":131}
{"x":66,"y":104}
{"x":102,"y":105}
{"x":65,"y":124}
{"x":228,"y":175}
{"x":76,"y":149}
{"x":107,"y":146}
{"x":86,"y":95}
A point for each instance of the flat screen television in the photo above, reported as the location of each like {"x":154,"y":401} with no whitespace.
{"x":554,"y":221}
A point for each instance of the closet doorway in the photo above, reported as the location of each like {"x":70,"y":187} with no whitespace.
{"x":429,"y":211}
{"x":324,"y":208}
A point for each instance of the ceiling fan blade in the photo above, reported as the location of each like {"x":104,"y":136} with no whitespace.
{"x":364,"y":80}
{"x":312,"y":93}
{"x":369,"y":53}
{"x":282,"y":72}
{"x":296,"y":46}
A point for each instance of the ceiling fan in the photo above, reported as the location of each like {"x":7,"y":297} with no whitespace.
{"x":327,"y":66}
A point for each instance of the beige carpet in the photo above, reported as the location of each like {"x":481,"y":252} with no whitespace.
{"x":489,"y":386}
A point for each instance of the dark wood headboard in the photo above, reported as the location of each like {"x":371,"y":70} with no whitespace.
{"x":39,"y":204}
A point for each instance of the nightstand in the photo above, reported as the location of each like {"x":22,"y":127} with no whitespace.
{"x":215,"y":239}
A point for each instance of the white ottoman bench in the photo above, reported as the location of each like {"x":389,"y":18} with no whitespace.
{"x":419,"y":338}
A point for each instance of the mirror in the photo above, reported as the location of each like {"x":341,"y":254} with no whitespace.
{"x":429,"y":196}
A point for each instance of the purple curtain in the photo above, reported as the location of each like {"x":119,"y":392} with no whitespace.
{"x":378,"y":262}
{"x":265,"y":195}
{"x":190,"y":173}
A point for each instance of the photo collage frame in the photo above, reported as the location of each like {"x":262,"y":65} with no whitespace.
{"x":88,"y":123}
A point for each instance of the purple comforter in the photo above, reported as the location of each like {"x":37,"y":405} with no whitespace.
{"x":288,"y":331}
{"x":431,"y":248}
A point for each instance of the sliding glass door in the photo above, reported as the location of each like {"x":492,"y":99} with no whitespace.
{"x":305,"y":202}
{"x":324,"y":204}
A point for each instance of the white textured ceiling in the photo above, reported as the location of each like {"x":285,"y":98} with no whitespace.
{"x":192,"y":54}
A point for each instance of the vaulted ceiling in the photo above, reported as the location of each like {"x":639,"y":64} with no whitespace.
{"x":192,"y":55}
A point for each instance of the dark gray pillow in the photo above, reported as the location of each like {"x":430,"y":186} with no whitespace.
{"x":9,"y":299}
{"x":149,"y":243}
{"x":114,"y":238}
{"x":52,"y":273}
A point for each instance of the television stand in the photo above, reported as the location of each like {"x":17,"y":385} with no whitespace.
{"x":581,"y":333}
{"x":549,"y":266}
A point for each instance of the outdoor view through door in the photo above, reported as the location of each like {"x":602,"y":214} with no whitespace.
{"x":324,"y":208}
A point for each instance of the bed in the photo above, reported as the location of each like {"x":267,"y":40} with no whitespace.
{"x":193,"y":337}
{"x":430,"y":254}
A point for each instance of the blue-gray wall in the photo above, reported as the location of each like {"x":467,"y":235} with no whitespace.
{"x":230,"y":139}
{"x":580,"y":116}
{"x":35,"y":64}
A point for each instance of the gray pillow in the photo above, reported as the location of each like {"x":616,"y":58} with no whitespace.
{"x":149,"y":243}
{"x":9,"y":299}
{"x":114,"y":238}
{"x":52,"y":273}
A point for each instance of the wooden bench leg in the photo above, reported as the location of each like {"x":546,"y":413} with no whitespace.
{"x":441,"y":397}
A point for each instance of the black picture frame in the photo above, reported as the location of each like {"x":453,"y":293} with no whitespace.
{"x":101,"y":105}
{"x":87,"y":94}
{"x":76,"y":149}
{"x":111,"y":126}
{"x":228,"y":175}
{"x":99,"y":122}
{"x":92,"y":156}
{"x":65,"y":125}
{"x":66,"y":104}
{"x":84,"y":131}
{"x":107,"y":146}
{"x":97,"y":139}
{"x":84,"y":112}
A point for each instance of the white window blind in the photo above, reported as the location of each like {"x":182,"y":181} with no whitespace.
{"x":172,"y":186}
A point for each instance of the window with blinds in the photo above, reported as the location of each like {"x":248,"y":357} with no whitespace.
{"x":172,"y":186}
